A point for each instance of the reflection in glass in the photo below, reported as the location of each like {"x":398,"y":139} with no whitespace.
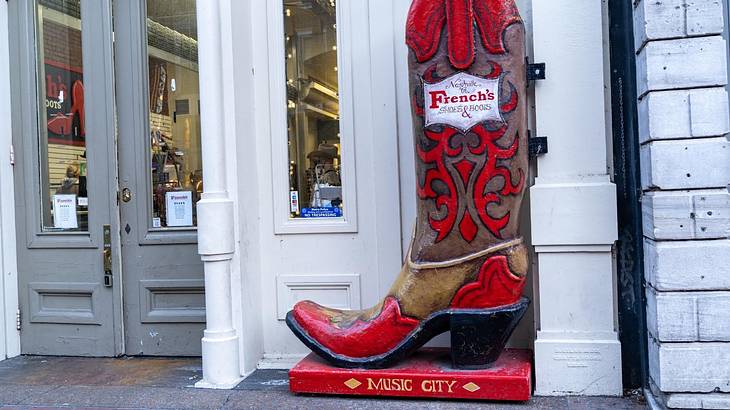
{"x":62,"y":131}
{"x":315,"y":184}
{"x":174,"y":112}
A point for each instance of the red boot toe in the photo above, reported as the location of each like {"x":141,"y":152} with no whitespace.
{"x":361,"y":338}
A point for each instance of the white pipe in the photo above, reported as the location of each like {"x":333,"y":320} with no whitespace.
{"x":211,"y":95}
{"x":215,"y":211}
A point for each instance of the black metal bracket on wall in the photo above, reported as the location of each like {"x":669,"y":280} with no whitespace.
{"x":537,"y":145}
{"x":536,"y":71}
{"x":627,"y":176}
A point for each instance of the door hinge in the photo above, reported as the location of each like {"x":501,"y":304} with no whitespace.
{"x":12,"y":155}
{"x":18,"y":322}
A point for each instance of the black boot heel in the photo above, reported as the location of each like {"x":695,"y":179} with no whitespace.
{"x":478,"y":337}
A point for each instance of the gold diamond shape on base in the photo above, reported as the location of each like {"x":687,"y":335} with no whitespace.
{"x":471,"y":387}
{"x":354,"y":384}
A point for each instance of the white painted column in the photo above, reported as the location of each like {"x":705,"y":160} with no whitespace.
{"x":573,"y":206}
{"x":216,"y":243}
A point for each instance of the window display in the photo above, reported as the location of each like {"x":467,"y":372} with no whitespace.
{"x":62,"y":131}
{"x":174,"y":113}
{"x":315,"y":181}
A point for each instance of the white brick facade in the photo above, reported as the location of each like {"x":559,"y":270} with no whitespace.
{"x":696,"y":113}
{"x":684,"y":120}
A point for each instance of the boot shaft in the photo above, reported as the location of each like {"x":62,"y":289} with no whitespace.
{"x":470,"y":124}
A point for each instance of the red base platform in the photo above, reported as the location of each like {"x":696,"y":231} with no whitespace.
{"x":427,"y":374}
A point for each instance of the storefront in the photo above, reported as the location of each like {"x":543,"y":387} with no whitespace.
{"x":288,"y":124}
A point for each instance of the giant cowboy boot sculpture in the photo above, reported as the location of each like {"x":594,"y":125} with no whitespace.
{"x":466,"y":267}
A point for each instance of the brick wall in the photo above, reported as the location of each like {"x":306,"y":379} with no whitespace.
{"x":685,"y":161}
{"x":164,"y":38}
{"x":70,"y":7}
{"x":62,"y":45}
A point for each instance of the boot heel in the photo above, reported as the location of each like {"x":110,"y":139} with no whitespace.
{"x":478,"y":337}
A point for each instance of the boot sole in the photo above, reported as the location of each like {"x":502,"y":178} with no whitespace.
{"x":478,"y":337}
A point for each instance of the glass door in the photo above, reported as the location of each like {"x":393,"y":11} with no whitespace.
{"x":160,"y":171}
{"x":64,"y":137}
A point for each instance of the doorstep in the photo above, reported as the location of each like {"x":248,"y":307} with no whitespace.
{"x":32,"y":382}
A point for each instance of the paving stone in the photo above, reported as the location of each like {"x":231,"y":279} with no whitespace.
{"x":16,"y":394}
{"x":265,"y":389}
{"x":601,"y":403}
{"x":129,"y":397}
{"x":266,"y":379}
{"x":240,"y":400}
{"x":151,"y":372}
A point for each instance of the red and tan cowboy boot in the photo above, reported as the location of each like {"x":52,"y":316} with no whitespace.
{"x":466,"y":267}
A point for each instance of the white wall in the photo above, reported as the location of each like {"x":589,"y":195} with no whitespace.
{"x":362,"y":263}
{"x":684,"y":120}
{"x":245,"y":182}
{"x":9,"y":338}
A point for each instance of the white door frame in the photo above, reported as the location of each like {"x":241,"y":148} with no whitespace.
{"x":9,"y":336}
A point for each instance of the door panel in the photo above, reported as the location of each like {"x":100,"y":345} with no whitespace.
{"x":64,"y":134}
{"x":160,"y":172}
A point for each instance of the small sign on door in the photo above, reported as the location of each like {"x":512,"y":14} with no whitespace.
{"x":294,"y":201}
{"x":64,"y":212}
{"x":179,"y":208}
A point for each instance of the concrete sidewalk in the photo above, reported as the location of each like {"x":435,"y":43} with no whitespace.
{"x":149,"y":383}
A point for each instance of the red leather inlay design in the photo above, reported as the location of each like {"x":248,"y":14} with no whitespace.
{"x":493,"y":17}
{"x":459,"y":18}
{"x":468,"y":228}
{"x":439,"y":156}
{"x":496,"y":286}
{"x":362,"y":338}
{"x":465,"y":168}
{"x":427,"y":18}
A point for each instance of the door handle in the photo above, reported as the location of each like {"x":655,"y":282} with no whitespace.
{"x":126,"y":195}
{"x":107,"y":256}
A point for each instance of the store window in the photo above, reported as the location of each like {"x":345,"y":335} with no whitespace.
{"x":174,"y":113}
{"x":313,"y":110}
{"x":62,"y":136}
